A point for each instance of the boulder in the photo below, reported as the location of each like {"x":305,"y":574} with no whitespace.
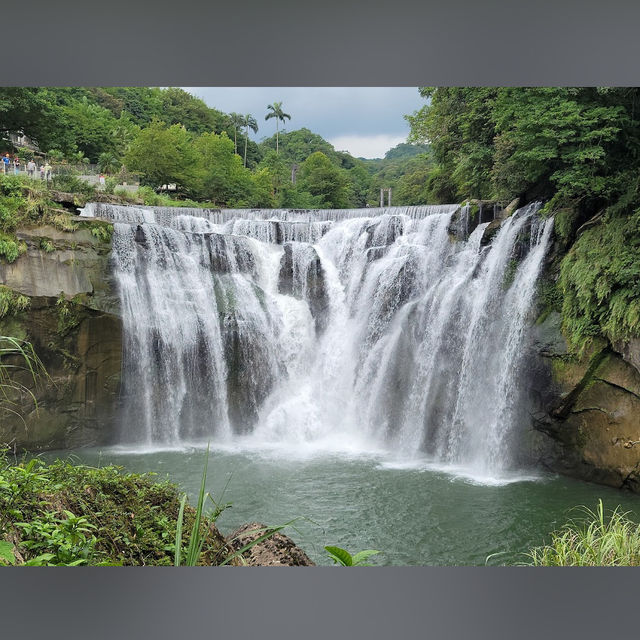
{"x":589,"y":409}
{"x":276,"y":551}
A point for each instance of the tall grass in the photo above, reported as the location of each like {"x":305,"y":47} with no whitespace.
{"x":196,"y":538}
{"x":15,"y":356}
{"x":596,"y":540}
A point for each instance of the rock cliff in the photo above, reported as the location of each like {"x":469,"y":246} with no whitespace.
{"x":72,"y":321}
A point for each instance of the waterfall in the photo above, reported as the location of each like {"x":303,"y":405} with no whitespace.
{"x":398,"y":329}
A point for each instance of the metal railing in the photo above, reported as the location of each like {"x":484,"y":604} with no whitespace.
{"x":127,"y":180}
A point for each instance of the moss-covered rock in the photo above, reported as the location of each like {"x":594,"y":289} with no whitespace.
{"x":590,"y":410}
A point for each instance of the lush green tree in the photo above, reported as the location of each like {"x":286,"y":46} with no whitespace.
{"x":275,"y":111}
{"x":180,"y":107}
{"x":108,"y":101}
{"x":294,"y":196}
{"x":554,"y":135}
{"x":143,"y":104}
{"x":262,"y":192}
{"x":34,"y":113}
{"x":124,"y":132}
{"x":279,"y":170}
{"x":417,"y":185}
{"x":222,"y":178}
{"x":459,"y":124}
{"x":91,"y":127}
{"x":321,"y":178}
{"x":163,"y":155}
{"x":359,"y":183}
{"x":406,"y":150}
{"x":563,"y":143}
{"x":296,"y":146}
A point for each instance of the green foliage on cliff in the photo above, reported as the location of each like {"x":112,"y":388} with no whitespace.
{"x":102,"y":232}
{"x":25,"y":202}
{"x":70,"y":312}
{"x":10,"y":247}
{"x":12,"y":302}
{"x":600,"y":281}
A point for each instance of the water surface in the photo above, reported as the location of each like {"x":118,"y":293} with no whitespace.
{"x":414,"y":513}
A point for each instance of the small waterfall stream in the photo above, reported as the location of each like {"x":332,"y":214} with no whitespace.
{"x":392,"y":329}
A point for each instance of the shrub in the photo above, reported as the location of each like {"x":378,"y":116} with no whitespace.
{"x":46,"y":245}
{"x":63,"y":222}
{"x":110,"y":185}
{"x":12,"y":302}
{"x":149,"y":197}
{"x":72,"y":184}
{"x":11,"y":185}
{"x":11,"y":247}
{"x":102,"y":232}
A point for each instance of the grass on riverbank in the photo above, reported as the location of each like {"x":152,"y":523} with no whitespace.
{"x":62,"y":514}
{"x":599,"y":539}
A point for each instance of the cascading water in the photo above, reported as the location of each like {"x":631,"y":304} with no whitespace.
{"x":390,"y":328}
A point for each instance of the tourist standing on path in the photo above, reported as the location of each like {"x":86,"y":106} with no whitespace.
{"x":47,"y":171}
{"x":31,"y":168}
{"x":16,"y":165}
{"x":41,"y":172}
{"x":5,"y":163}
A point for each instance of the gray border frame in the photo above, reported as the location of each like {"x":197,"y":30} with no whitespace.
{"x":320,"y":42}
{"x":324,"y":43}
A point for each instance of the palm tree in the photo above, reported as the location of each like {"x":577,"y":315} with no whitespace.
{"x":108,"y":162}
{"x":249,"y":123}
{"x":278,"y":114}
{"x":237,"y":121}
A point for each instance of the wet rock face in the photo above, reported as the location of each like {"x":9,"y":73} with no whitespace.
{"x":277,"y":551}
{"x":77,"y":404}
{"x":630,"y":351}
{"x":79,"y":264}
{"x":589,"y":409}
{"x":301,"y":275}
{"x":249,"y":380}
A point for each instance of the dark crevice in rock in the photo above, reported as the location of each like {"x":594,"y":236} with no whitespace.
{"x":617,"y":386}
{"x":566,"y":404}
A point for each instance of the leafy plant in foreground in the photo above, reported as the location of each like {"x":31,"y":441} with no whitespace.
{"x":345,"y":559}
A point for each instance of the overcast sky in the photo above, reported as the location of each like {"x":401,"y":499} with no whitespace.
{"x":365,"y":121}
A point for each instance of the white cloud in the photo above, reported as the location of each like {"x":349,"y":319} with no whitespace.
{"x":364,"y":146}
{"x":331,"y":112}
